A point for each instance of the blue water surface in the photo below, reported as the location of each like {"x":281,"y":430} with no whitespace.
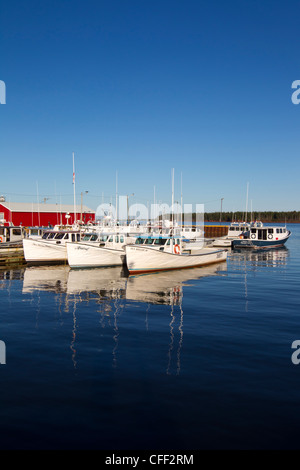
{"x":199,"y":359}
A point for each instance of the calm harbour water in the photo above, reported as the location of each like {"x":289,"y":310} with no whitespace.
{"x":198,"y":359}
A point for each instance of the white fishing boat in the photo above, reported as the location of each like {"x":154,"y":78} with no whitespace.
{"x":151,"y":254}
{"x":235,"y":230}
{"x":50,"y":247}
{"x":98,"y":250}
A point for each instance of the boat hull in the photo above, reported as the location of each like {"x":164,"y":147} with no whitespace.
{"x":38,"y":252}
{"x":146,"y":260}
{"x":249,"y":243}
{"x":82,"y":255}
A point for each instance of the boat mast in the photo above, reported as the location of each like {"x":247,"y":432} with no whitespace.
{"x":154,"y":203}
{"x":74,"y":189}
{"x":181,"y":219}
{"x":38,"y":203}
{"x":247,"y":203}
{"x":60,"y":209}
{"x":172,"y":200}
{"x":116,"y":197}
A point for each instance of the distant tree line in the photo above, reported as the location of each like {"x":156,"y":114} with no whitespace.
{"x":267,"y":216}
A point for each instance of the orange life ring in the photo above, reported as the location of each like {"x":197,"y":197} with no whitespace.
{"x":1,"y":239}
{"x":177,"y":249}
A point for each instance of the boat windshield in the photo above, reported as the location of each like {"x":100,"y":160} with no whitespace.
{"x":59,"y":236}
{"x":89,"y":237}
{"x":159,"y":241}
{"x":48,"y":235}
{"x":152,"y":241}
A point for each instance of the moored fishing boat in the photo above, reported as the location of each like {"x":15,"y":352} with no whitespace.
{"x":261,"y":236}
{"x":51,"y":247}
{"x":235,"y":230}
{"x":98,"y":250}
{"x":167,"y":253}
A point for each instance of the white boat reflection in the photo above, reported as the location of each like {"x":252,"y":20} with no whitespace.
{"x":112,"y":283}
{"x":52,"y":278}
{"x":108,"y":290}
{"x":167,"y":287}
{"x":106,"y":282}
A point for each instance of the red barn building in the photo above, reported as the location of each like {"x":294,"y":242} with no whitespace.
{"x":33,"y":214}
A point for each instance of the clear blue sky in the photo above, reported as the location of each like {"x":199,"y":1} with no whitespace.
{"x":140,"y":87}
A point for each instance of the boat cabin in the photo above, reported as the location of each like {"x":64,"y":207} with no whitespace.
{"x":161,"y":243}
{"x":257,"y":224}
{"x":237,"y":228}
{"x":267,"y":233}
{"x":156,"y":241}
{"x":11,"y":234}
{"x":61,"y":237}
{"x":108,"y":238}
{"x":34,"y":232}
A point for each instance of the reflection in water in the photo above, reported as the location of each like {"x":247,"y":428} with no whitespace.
{"x":172,"y":341}
{"x":253,"y":260}
{"x":167,"y":287}
{"x":72,"y":346}
{"x":103,"y":283}
{"x":272,"y":258}
{"x":106,"y":284}
{"x":109,"y":289}
{"x":50,"y":278}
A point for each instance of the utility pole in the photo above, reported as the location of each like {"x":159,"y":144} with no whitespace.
{"x":221,"y":209}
